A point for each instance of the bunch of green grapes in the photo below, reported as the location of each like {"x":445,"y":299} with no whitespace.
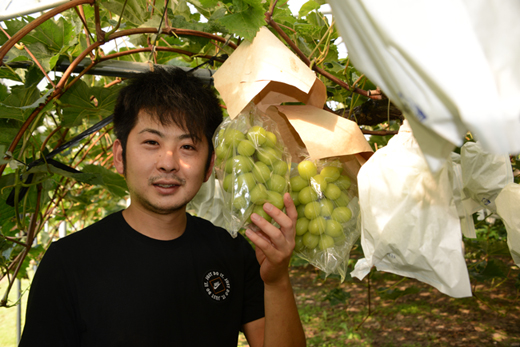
{"x":253,"y":169}
{"x":321,"y":200}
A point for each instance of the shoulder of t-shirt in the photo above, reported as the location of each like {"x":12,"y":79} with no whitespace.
{"x":94,"y":233}
{"x":204,"y":226}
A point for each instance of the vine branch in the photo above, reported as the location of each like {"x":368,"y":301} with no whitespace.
{"x":372,"y":94}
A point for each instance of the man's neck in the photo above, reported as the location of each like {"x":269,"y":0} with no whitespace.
{"x":157,"y":226}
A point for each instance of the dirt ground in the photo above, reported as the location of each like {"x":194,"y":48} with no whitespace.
{"x":426,"y":317}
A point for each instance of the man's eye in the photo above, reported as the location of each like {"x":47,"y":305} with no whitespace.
{"x":151,"y":142}
{"x":188,"y":147}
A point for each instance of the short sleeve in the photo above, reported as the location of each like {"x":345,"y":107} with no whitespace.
{"x":51,"y":317}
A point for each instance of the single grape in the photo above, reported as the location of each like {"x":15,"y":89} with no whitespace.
{"x":319,"y":183}
{"x":310,"y":241}
{"x":298,"y":183}
{"x":277,"y":183}
{"x":341,"y":214}
{"x":307,"y":195}
{"x":223,"y":152}
{"x":257,"y":135}
{"x":246,"y":182}
{"x":271,"y":139}
{"x":343,"y":200}
{"x":307,"y":169}
{"x":259,"y":210}
{"x":312,"y":210}
{"x":317,"y":226}
{"x":300,"y":209}
{"x":333,"y":228}
{"x":268,"y":155}
{"x":259,"y":194}
{"x":246,"y":148}
{"x":325,"y":242}
{"x":233,"y":136}
{"x":238,"y":164}
{"x":261,"y":172}
{"x":294,"y":197}
{"x":343,"y":182}
{"x":227,"y":184}
{"x":280,"y":167}
{"x":298,"y":244}
{"x":302,"y":225}
{"x":331,"y":173}
{"x":240,"y":203}
{"x":326,"y":207}
{"x":332,"y":191}
{"x":275,"y":198}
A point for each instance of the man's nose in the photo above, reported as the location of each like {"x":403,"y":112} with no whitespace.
{"x":168,"y":161}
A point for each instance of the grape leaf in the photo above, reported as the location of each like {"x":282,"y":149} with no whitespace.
{"x":20,"y":102}
{"x":246,"y":21}
{"x":9,"y":74}
{"x":56,"y":36}
{"x":135,"y":10}
{"x":308,"y":7}
{"x":78,"y":106}
{"x":112,"y":181}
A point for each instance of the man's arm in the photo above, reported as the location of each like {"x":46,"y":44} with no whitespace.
{"x":281,"y":325}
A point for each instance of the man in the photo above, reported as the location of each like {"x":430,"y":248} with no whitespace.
{"x":153,"y":275}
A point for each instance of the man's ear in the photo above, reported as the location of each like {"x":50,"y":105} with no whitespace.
{"x":210,"y":168}
{"x":117,"y":150}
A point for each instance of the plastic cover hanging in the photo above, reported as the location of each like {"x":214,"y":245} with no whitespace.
{"x":410,"y":224}
{"x":484,"y":174}
{"x":463,"y":74}
{"x":208,"y":203}
{"x":465,"y":206}
{"x":508,"y":202}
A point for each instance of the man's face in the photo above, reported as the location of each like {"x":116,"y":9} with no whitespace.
{"x":165,"y":167}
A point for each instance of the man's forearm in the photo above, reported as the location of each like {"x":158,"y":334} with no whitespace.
{"x":282,"y":321}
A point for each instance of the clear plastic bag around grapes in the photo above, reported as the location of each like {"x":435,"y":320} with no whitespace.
{"x":328,"y":214}
{"x":252,"y":166}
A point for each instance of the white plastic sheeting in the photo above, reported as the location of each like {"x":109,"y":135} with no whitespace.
{"x":450,"y":65}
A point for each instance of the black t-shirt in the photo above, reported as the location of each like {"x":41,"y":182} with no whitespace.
{"x":109,"y":285}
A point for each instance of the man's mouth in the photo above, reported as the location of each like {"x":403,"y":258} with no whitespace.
{"x":165,"y":185}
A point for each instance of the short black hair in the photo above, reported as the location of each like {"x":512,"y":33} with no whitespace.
{"x":170,"y":96}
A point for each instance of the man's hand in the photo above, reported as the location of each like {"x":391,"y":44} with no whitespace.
{"x":274,"y":246}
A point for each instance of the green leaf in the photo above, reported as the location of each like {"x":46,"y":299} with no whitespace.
{"x":208,"y":3}
{"x":3,"y":149}
{"x":9,"y":74}
{"x":88,"y":178}
{"x":20,"y":103}
{"x":55,"y":36}
{"x":9,"y":130}
{"x":33,"y":76}
{"x":488,"y":270}
{"x":246,"y":21}
{"x":136,"y":11}
{"x":114,"y":182}
{"x":308,"y":7}
{"x":6,"y":182}
{"x":3,"y":92}
{"x":78,"y":106}
{"x":41,"y":53}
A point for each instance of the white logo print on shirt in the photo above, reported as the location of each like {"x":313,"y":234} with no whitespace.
{"x":216,"y":285}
